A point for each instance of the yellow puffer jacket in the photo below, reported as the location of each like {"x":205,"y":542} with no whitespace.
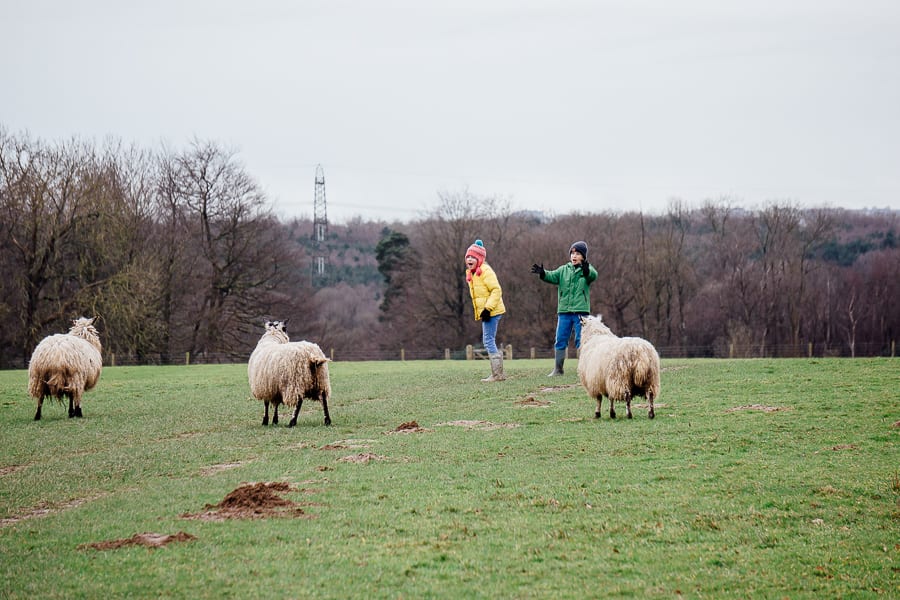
{"x":486,"y":292}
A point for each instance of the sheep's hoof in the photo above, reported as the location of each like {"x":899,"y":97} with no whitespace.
{"x":78,"y":412}
{"x":327,"y":420}
{"x":265,"y":421}
{"x":651,"y":414}
{"x":37,"y":416}
{"x":629,"y":415}
{"x":597,"y":415}
{"x":612,"y":415}
{"x":292,"y":423}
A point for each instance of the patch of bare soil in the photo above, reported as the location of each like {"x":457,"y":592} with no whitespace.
{"x":558,"y":388}
{"x":252,"y":501}
{"x":408,"y":427}
{"x":11,"y":469}
{"x":150,"y":540}
{"x":362,"y":458}
{"x":213,"y":469}
{"x":840,"y":447}
{"x":761,"y":407}
{"x":647,"y":405}
{"x":531,"y":401}
{"x":45,"y":508}
{"x":479,"y":425}
{"x":347,"y":445}
{"x":896,"y":425}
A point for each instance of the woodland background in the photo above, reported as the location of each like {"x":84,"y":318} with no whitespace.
{"x":179,"y":253}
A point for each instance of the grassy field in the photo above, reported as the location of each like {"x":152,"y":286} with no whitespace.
{"x":757,"y":479}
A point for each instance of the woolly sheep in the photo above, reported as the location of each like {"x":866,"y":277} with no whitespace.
{"x":618,"y":368}
{"x":282,"y":371}
{"x":66,"y":364}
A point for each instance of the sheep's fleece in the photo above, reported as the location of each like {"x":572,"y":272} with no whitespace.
{"x":618,"y":368}
{"x":285,"y":372}
{"x":66,"y":364}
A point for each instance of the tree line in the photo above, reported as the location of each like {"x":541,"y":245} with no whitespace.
{"x":179,"y":253}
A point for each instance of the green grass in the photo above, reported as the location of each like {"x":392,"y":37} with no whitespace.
{"x":701,"y":502}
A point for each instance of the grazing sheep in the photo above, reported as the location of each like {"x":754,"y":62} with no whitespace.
{"x":66,"y":364}
{"x":282,"y":371}
{"x":618,"y":368}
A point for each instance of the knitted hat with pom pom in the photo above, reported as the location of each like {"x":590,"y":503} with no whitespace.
{"x":579,"y":247}
{"x":477,"y":252}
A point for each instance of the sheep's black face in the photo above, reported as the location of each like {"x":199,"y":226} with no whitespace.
{"x":276,"y":325}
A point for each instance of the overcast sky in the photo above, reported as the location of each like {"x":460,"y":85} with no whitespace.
{"x":556,"y":105}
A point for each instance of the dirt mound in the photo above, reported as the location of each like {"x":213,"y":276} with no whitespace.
{"x":150,"y":540}
{"x":408,"y":427}
{"x":252,"y":501}
{"x":362,"y":458}
{"x":532,"y":401}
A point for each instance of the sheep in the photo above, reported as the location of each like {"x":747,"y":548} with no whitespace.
{"x":281,"y":371}
{"x":66,"y":364}
{"x":618,"y":368}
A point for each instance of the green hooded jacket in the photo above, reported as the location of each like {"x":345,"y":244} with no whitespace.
{"x":574,"y":294}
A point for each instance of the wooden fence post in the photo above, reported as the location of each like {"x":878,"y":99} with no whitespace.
{"x":402,"y":354}
{"x":446,"y":353}
{"x":470,"y":352}
{"x":187,"y":358}
{"x":533,"y":353}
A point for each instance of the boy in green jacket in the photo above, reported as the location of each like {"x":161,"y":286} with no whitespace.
{"x":573,"y":298}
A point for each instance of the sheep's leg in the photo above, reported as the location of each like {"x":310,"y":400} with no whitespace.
{"x":266,"y":416}
{"x":612,"y":408}
{"x":651,"y":414}
{"x":296,"y":412}
{"x":628,"y":405}
{"x":275,"y":414}
{"x":71,"y":405}
{"x":37,"y":415}
{"x":325,"y":408}
{"x":599,"y":405}
{"x":77,"y":400}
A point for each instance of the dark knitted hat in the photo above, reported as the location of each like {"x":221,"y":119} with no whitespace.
{"x":579,"y":247}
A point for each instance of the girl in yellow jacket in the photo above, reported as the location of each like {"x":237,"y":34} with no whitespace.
{"x":487,"y":301}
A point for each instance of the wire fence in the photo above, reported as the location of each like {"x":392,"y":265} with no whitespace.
{"x":808,"y":350}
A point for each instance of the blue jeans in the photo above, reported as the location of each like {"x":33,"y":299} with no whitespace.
{"x":489,"y":334}
{"x":565,"y":323}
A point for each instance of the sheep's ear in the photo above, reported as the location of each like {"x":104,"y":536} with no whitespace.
{"x":286,"y":320}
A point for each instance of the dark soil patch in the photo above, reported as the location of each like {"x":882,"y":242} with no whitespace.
{"x":252,"y":501}
{"x":10,"y":469}
{"x":150,"y":540}
{"x":408,"y":427}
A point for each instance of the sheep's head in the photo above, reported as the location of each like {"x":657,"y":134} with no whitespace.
{"x":277,"y":329}
{"x":84,"y":328}
{"x":593,"y":325}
